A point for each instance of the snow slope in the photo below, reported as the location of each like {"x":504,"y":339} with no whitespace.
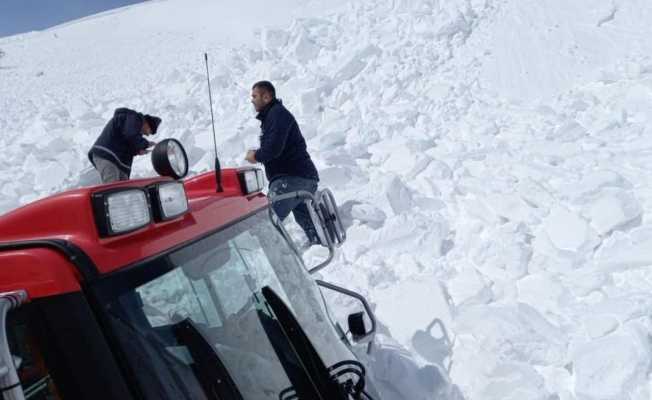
{"x":490,"y":156}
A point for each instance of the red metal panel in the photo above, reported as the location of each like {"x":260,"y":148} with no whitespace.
{"x":69,"y":216}
{"x":206,"y":215}
{"x":41,"y":272}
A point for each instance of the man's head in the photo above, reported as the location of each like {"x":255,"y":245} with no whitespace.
{"x":150,"y":124}
{"x":262,"y":93}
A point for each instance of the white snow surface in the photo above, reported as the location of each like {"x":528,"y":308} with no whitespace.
{"x":491,"y":158}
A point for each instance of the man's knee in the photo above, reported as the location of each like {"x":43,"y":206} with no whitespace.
{"x":286,"y":185}
{"x":282,"y":208}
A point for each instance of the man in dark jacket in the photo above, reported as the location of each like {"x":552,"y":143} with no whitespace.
{"x":283,"y":153}
{"x":121,"y":140}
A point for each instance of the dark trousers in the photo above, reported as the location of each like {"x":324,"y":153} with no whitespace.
{"x":287,"y":184}
{"x":109,"y":172}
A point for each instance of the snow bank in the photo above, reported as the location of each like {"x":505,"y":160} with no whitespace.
{"x":492,"y":159}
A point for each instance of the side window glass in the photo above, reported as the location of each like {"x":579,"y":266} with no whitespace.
{"x":252,"y":254}
{"x":231,"y":284}
{"x":174,"y":296}
{"x":246,"y":271}
{"x":28,"y":358}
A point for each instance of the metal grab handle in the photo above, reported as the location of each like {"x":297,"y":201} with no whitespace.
{"x":331,"y":229}
{"x":9,"y":383}
{"x":299,"y":194}
{"x":310,"y":199}
{"x":357,"y":296}
{"x":328,"y":199}
{"x":306,"y":196}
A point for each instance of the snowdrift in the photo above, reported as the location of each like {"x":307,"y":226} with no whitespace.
{"x":491,"y":158}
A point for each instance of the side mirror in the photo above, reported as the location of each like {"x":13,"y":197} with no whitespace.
{"x":357,"y":326}
{"x":356,"y":321}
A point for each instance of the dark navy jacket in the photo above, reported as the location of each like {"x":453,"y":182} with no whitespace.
{"x":282,"y":147}
{"x":121,"y":139}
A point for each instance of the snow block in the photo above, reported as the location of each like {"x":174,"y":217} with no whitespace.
{"x":7,"y":205}
{"x":274,"y":39}
{"x":568,"y":132}
{"x":337,"y":177}
{"x":597,"y":326}
{"x":355,"y":64}
{"x":436,"y":169}
{"x":368,"y":214}
{"x":514,"y":381}
{"x":517,"y":331}
{"x":358,"y":242}
{"x":568,"y":231}
{"x":503,"y":258}
{"x":401,"y":160}
{"x":469,"y":287}
{"x":544,"y":292}
{"x":612,"y":367}
{"x":622,"y":251}
{"x":612,"y":210}
{"x":399,"y":196}
{"x":510,"y":206}
{"x":534,"y":193}
{"x":399,"y":376}
{"x":332,"y":140}
{"x":394,"y":302}
{"x":413,"y":234}
{"x":310,"y":101}
{"x":593,"y":183}
{"x":304,"y":48}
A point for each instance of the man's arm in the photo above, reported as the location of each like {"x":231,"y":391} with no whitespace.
{"x":251,"y":156}
{"x":272,"y":143}
{"x":132,"y":131}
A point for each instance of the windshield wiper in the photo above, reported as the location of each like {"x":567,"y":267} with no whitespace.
{"x":345,"y":368}
{"x":326,"y":381}
{"x":208,"y":367}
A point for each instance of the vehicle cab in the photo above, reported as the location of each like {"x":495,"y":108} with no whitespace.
{"x":166,"y":288}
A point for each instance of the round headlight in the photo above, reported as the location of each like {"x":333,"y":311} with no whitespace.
{"x":170,"y":159}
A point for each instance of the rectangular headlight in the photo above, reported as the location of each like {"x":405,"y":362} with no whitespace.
{"x":121,"y":211}
{"x":260,"y":176}
{"x":251,"y":180}
{"x":168,"y":200}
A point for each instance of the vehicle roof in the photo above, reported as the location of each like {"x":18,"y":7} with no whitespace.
{"x":68,"y":217}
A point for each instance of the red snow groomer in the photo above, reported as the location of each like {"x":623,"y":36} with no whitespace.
{"x":167,"y":289}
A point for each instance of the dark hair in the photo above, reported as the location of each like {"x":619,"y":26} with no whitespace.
{"x":265,"y":86}
{"x":153,"y":122}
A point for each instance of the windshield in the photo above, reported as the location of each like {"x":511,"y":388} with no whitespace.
{"x":214,"y":284}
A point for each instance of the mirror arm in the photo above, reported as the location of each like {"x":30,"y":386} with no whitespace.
{"x":360,"y":298}
{"x":10,"y":387}
{"x":331,"y":254}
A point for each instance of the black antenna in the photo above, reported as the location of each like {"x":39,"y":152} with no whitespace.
{"x":218,"y":170}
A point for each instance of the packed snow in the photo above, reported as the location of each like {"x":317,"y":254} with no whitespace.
{"x":490,"y":157}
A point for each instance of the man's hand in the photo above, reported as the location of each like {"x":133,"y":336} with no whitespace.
{"x":150,"y":144}
{"x":251,"y":156}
